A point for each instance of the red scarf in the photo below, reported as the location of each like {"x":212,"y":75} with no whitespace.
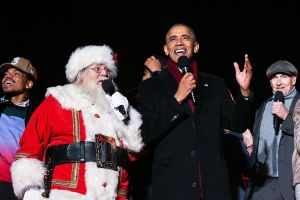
{"x":173,"y":68}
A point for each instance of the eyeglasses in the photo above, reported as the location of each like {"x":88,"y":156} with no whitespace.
{"x":99,"y":69}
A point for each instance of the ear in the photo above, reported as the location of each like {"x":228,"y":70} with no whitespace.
{"x":294,"y":80}
{"x":196,"y":47}
{"x":166,"y":50}
{"x":29,"y":84}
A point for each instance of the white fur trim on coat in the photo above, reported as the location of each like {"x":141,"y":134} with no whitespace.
{"x":85,"y":56}
{"x":56,"y":194}
{"x":70,"y":97}
{"x":27,"y":173}
{"x":130,"y":133}
{"x":65,"y":195}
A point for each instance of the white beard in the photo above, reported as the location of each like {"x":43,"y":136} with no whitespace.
{"x":95,"y":93}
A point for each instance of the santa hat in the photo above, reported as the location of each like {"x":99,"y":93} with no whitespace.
{"x":82,"y":57}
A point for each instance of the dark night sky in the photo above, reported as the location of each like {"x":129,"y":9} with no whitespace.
{"x":47,"y":32}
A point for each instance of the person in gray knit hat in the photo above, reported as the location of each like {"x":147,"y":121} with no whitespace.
{"x":273,"y":133}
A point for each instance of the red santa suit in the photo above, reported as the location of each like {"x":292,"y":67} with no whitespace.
{"x":67,"y":115}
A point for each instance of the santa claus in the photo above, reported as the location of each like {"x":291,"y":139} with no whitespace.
{"x":76,"y":143}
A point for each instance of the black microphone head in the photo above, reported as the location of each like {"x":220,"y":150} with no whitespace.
{"x":108,"y":87}
{"x":183,"y":61}
{"x":278,"y":96}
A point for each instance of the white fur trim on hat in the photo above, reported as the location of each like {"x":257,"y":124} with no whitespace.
{"x":85,"y":56}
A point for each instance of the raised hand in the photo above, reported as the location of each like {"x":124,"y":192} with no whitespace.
{"x":244,"y":77}
{"x":153,"y":64}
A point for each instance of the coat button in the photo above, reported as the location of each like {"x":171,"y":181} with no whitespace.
{"x":193,"y":153}
{"x":194,"y":185}
{"x":174,"y":117}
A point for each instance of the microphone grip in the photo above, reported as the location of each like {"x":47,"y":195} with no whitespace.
{"x":193,"y":97}
{"x":122,"y":110}
{"x":185,"y":70}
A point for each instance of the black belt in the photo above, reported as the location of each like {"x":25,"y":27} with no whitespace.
{"x":86,"y":152}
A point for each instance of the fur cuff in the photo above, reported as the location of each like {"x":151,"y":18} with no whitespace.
{"x":27,"y":173}
{"x":131,"y":133}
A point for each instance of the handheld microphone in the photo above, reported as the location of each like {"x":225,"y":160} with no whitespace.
{"x":278,"y":97}
{"x":109,"y":88}
{"x":183,"y":64}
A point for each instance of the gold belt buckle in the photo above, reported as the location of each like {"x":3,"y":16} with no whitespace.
{"x":106,"y":152}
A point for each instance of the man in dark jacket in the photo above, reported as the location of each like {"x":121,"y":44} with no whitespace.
{"x":273,"y":132}
{"x":185,"y":133}
{"x":18,"y":78}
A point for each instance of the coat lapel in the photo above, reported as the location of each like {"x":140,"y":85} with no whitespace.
{"x":169,"y":86}
{"x":201,"y":92}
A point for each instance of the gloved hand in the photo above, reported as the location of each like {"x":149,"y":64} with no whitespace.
{"x":33,"y":194}
{"x":120,"y":105}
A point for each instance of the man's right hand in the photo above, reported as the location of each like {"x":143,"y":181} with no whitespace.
{"x":186,"y":85}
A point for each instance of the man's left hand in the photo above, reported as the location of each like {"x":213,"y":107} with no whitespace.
{"x":244,"y":77}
